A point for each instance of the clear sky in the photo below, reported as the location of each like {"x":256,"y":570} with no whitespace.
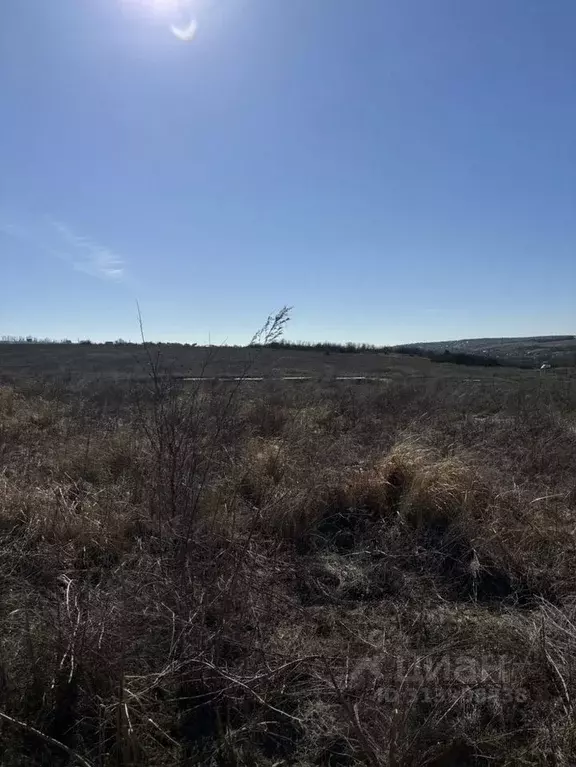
{"x":396,"y":170}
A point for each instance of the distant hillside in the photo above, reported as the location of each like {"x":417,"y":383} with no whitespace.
{"x":533,"y":350}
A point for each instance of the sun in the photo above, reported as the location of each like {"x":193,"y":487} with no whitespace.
{"x":180,"y":16}
{"x":168,"y":8}
{"x":165,"y":6}
{"x":171,"y":7}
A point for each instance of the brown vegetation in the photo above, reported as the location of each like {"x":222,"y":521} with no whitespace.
{"x":287,"y":574}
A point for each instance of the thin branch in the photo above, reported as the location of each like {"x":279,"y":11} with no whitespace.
{"x":52,"y":741}
{"x":249,"y":689}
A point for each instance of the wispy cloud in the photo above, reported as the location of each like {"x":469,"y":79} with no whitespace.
{"x":88,"y":256}
{"x":58,"y":240}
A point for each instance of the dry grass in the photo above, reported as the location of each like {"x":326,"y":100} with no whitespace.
{"x":300,"y":575}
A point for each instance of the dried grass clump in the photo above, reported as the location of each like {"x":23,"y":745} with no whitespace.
{"x":432,"y":491}
{"x":267,"y":457}
{"x":261,"y":472}
{"x":7,"y":400}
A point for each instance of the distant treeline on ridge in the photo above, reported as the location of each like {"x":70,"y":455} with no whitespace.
{"x":324,"y":347}
{"x":457,"y":358}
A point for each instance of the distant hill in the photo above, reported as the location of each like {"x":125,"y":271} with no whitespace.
{"x":530,"y":350}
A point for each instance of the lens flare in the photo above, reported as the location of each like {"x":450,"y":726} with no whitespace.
{"x":178,"y":15}
{"x":187,"y":33}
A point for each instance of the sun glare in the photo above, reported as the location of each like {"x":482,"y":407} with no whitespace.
{"x":176,"y":6}
{"x":168,"y":8}
{"x":180,"y":16}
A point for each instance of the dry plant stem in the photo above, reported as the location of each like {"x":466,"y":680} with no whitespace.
{"x":47,"y":739}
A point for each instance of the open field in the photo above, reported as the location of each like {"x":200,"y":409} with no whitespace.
{"x":74,"y":363}
{"x":129,"y":361}
{"x":284,"y":573}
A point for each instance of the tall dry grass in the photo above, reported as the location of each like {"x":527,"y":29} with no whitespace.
{"x":329,"y":574}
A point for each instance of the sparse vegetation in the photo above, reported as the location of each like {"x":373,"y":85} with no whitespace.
{"x":455,"y":357}
{"x":287,"y":573}
{"x":482,"y":352}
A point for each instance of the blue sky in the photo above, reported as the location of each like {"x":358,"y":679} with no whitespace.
{"x":395,"y":171}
